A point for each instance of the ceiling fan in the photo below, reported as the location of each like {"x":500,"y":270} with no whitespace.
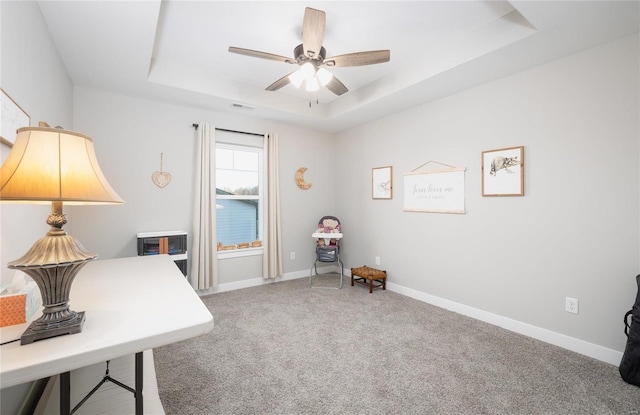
{"x":311,"y":58}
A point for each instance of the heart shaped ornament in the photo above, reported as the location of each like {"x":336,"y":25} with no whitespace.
{"x":161,"y":179}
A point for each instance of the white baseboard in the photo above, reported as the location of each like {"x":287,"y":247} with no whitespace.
{"x":254,"y":282}
{"x":570,"y":343}
{"x":575,"y":345}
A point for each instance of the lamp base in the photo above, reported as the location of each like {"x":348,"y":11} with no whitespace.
{"x":54,"y":282}
{"x":34,"y":332}
{"x":53,"y":263}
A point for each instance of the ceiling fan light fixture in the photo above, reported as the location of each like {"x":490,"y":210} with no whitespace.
{"x":296,"y":78}
{"x":308,"y":70}
{"x":324,"y":76}
{"x":312,"y":85}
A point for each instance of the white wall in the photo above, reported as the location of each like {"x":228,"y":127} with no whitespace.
{"x":33,"y":75}
{"x":574,"y":233}
{"x":129,"y":136}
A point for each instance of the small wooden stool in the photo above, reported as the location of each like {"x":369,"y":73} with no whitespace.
{"x":366,"y":275}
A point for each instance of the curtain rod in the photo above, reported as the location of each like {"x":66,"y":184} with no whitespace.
{"x":230,"y":131}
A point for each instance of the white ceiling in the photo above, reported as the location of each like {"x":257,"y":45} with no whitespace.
{"x":177,"y":51}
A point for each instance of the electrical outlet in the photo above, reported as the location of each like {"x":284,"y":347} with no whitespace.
{"x":377,"y":260}
{"x":293,"y":255}
{"x":571,"y":305}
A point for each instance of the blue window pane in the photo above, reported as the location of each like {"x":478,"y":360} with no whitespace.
{"x":236,"y":220}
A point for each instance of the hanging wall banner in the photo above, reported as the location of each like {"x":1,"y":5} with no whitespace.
{"x":438,"y":191}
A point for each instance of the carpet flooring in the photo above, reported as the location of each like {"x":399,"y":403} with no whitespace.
{"x":285,"y":348}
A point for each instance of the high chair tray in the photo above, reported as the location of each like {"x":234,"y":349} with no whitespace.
{"x":327,"y":236}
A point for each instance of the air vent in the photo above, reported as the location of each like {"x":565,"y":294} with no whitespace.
{"x":242,"y":106}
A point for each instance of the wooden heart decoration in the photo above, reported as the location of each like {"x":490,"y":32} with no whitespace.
{"x":161,"y":179}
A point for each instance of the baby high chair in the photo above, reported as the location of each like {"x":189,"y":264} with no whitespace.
{"x":327,"y":235}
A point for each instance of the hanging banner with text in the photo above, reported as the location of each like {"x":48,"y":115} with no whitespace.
{"x":437,"y":191}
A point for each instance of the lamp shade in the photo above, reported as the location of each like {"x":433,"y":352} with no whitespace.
{"x":52,"y":164}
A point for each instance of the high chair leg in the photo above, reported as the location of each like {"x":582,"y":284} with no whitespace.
{"x":314,"y":267}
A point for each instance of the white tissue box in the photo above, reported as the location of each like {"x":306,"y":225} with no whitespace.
{"x":18,"y":305}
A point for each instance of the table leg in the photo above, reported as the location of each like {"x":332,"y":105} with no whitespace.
{"x":139,"y":383}
{"x":65,"y":393}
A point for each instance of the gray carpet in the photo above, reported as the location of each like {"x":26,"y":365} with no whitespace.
{"x":284,"y":348}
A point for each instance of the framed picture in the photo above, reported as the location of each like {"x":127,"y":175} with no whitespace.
{"x":503,"y":172}
{"x":382,"y":182}
{"x":436,"y":191}
{"x":13,"y":117}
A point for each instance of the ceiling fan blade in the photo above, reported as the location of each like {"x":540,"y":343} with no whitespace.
{"x":335,"y":86}
{"x":359,"y":58}
{"x":279,"y":83}
{"x":261,"y":55}
{"x":313,"y":31}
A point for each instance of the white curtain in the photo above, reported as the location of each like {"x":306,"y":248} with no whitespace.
{"x":204,"y":255}
{"x":272,"y":257}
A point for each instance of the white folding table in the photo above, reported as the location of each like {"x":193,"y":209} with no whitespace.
{"x":131,"y":305}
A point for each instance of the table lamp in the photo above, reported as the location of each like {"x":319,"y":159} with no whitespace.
{"x":57,"y":166}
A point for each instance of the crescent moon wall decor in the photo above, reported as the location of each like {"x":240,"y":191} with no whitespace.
{"x":300,"y":179}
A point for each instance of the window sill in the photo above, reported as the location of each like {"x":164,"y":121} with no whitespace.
{"x":237,"y":253}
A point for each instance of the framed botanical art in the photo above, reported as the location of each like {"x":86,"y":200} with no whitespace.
{"x":13,"y":117}
{"x":503,"y":172}
{"x":382,"y":182}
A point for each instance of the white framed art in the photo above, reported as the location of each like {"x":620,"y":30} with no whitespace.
{"x":435,"y":191}
{"x":382,"y":182}
{"x":503,"y":172}
{"x":12,"y":117}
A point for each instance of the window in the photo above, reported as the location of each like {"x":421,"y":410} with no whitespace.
{"x":239,"y":175}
